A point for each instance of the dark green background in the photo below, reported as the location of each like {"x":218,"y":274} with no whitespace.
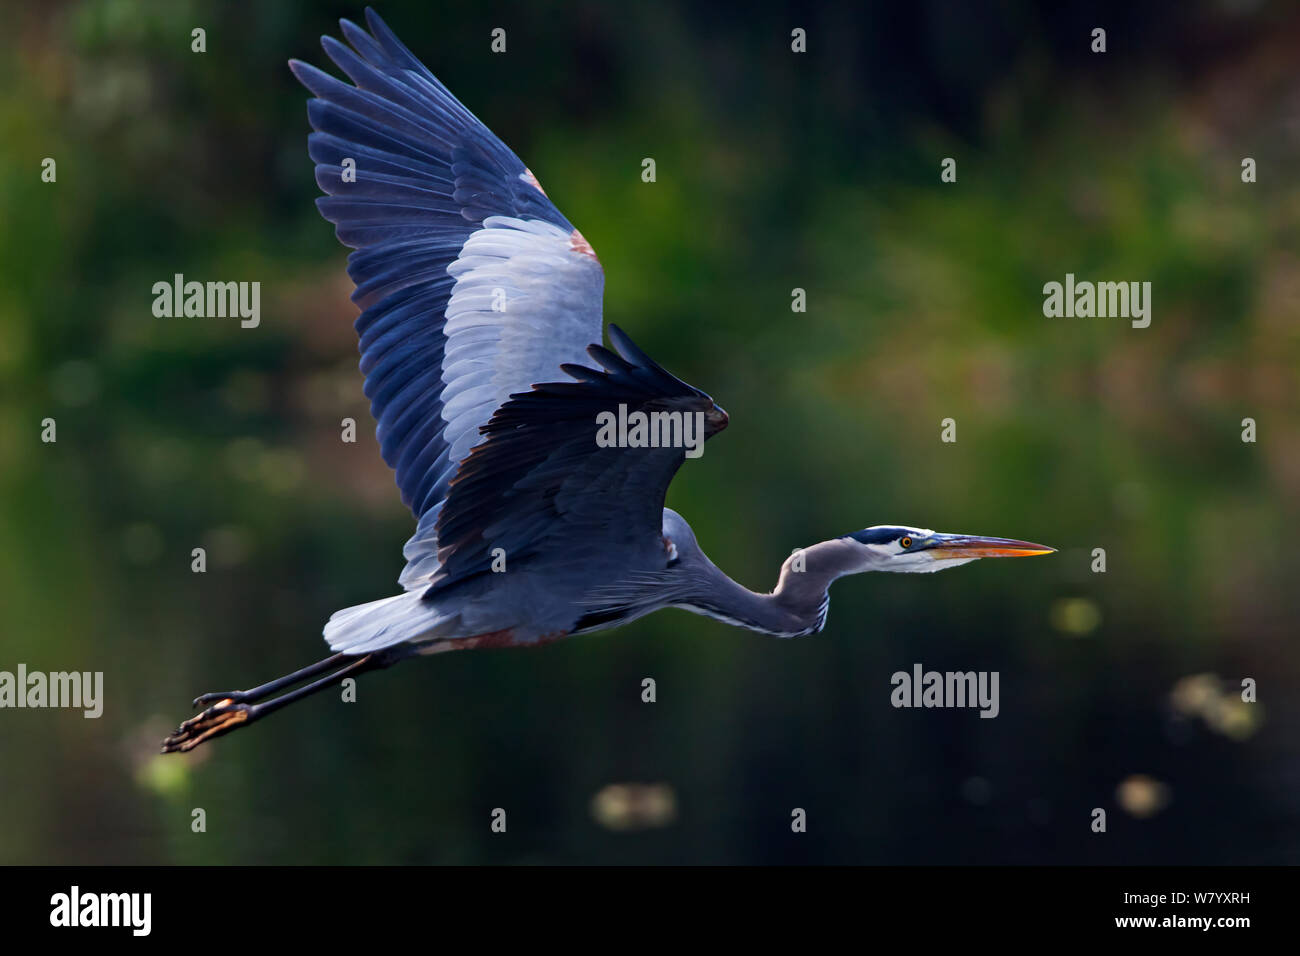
{"x":775,"y":171}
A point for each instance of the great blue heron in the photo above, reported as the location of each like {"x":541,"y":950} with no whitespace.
{"x":474,"y":288}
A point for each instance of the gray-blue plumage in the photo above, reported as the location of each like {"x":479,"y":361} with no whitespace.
{"x":478,"y":300}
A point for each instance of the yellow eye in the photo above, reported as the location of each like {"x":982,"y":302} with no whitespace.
{"x":905,"y":542}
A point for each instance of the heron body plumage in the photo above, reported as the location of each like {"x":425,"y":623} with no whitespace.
{"x":480,"y":339}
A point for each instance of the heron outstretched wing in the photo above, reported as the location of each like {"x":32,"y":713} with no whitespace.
{"x":473,"y":285}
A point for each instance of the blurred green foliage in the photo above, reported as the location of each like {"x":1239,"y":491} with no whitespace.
{"x":775,"y":171}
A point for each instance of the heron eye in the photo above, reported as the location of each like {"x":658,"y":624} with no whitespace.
{"x":905,"y":541}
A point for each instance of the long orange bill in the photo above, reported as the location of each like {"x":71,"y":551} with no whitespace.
{"x":971,"y":546}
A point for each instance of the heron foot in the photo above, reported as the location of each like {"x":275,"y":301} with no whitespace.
{"x":223,"y":717}
{"x":231,"y":710}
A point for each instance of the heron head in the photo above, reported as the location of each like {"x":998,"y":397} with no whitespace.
{"x":920,"y":550}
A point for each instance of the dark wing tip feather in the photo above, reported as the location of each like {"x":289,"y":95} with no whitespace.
{"x":300,"y":68}
{"x":633,"y":353}
{"x":625,"y":347}
{"x":394,"y":47}
{"x":611,"y":361}
{"x":335,"y":50}
{"x":581,"y":372}
{"x":362,"y":42}
{"x":649,"y":370}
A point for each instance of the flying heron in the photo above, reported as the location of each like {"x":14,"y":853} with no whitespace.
{"x":476,"y":296}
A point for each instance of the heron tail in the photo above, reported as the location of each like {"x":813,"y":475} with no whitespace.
{"x":378,"y":624}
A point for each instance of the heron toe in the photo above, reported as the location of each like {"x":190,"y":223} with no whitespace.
{"x":220,"y":695}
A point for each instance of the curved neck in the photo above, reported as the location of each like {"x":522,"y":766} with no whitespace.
{"x":795,"y":608}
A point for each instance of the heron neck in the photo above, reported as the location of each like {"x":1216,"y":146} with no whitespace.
{"x":798,"y":604}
